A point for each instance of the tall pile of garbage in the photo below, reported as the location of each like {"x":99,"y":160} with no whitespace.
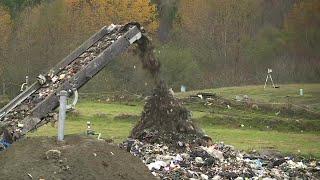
{"x":165,"y":119}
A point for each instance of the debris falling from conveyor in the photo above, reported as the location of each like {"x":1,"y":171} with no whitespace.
{"x":147,"y":56}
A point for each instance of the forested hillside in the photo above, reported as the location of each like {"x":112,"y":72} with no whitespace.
{"x":200,"y":43}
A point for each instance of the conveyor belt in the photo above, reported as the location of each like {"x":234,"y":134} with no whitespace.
{"x":33,"y":106}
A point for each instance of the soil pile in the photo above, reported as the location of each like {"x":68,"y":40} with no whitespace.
{"x":164,"y":119}
{"x":77,"y":158}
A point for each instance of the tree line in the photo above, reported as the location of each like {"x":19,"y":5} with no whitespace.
{"x":200,"y":43}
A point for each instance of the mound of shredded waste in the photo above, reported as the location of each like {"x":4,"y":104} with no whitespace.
{"x":164,"y":119}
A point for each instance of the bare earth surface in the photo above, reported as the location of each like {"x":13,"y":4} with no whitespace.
{"x":79,"y":157}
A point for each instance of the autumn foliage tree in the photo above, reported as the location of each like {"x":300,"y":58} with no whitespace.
{"x":201,"y":44}
{"x":49,"y":31}
{"x":5,"y":31}
{"x":96,"y":13}
{"x":303,"y":29}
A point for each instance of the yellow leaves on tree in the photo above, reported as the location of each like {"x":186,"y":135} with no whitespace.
{"x":5,"y":31}
{"x":96,"y":13}
{"x":302,"y":27}
{"x":5,"y":27}
{"x":303,"y":14}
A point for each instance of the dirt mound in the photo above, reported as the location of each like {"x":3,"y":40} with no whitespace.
{"x":77,"y":158}
{"x":164,"y":119}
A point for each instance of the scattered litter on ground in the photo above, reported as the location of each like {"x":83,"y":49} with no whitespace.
{"x":218,"y":161}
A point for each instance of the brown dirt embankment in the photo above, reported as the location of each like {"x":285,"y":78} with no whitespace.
{"x":79,"y":157}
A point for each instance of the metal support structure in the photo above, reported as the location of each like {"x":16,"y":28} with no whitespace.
{"x":72,"y":106}
{"x":62,"y":64}
{"x":269,"y":77}
{"x":25,"y":85}
{"x":41,"y":109}
{"x":62,"y":114}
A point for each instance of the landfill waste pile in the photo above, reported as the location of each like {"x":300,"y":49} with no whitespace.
{"x":78,"y":157}
{"x":164,"y":119}
{"x":218,"y":161}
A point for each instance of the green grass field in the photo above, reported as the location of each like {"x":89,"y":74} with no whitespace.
{"x":261,"y":130}
{"x":311,"y":98}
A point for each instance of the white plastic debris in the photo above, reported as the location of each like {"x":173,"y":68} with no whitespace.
{"x":294,"y":165}
{"x":178,"y":158}
{"x":204,"y":177}
{"x":157,"y":165}
{"x":29,"y":175}
{"x":199,"y":160}
{"x":166,"y":158}
{"x":239,"y":178}
{"x":216,"y":177}
{"x":111,"y":27}
{"x":54,"y":79}
{"x":214,"y":153}
{"x":171,"y":91}
{"x":62,"y":76}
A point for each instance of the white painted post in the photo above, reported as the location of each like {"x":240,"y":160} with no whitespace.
{"x":62,"y":114}
{"x":301,"y":92}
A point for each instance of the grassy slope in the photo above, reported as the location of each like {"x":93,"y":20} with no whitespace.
{"x":215,"y":121}
{"x":311,"y":98}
